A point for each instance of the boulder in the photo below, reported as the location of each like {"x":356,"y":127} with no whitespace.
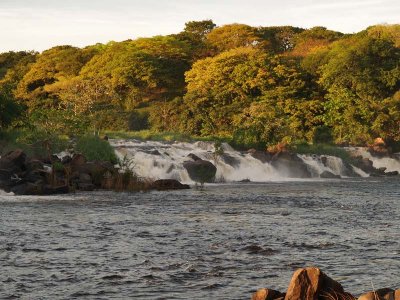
{"x":290,"y":164}
{"x":33,"y":165}
{"x":267,"y":294}
{"x":85,"y":178}
{"x":168,"y":184}
{"x":200,"y":170}
{"x":262,"y":156}
{"x":327,"y":174}
{"x":88,"y":187}
{"x":312,"y":284}
{"x":77,"y":160}
{"x":95,"y":169}
{"x":381,"y":294}
{"x":27,"y":188}
{"x":16,"y":158}
{"x":229,"y":160}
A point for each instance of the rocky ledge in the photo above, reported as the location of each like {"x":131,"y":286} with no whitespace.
{"x":23,"y":175}
{"x":312,"y":284}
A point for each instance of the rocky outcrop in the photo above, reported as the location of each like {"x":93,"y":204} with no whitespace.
{"x":312,"y":284}
{"x":327,"y":174}
{"x":200,"y":170}
{"x":381,"y":294}
{"x":267,"y":294}
{"x":168,"y":184}
{"x":263,"y":156}
{"x":290,"y":164}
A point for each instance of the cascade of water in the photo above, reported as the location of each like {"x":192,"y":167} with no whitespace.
{"x":164,"y":160}
{"x":159,"y":160}
{"x":390,"y":163}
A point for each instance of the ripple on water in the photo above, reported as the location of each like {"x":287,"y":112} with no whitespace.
{"x":226,"y":240}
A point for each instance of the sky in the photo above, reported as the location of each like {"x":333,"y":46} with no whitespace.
{"x":42,"y":24}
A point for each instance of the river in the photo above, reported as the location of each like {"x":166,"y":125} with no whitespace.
{"x":223,"y":242}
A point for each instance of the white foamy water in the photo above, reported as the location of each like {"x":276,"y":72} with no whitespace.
{"x":391,"y":164}
{"x":161,"y":160}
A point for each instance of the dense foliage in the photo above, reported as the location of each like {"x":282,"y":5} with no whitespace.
{"x":256,"y":85}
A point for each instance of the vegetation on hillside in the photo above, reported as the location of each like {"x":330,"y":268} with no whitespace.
{"x":255,"y":86}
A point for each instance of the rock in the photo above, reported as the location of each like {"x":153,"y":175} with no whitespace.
{"x":95,"y":169}
{"x":5,"y":175}
{"x":229,"y":160}
{"x":200,"y":170}
{"x":262,"y":156}
{"x":16,"y":157}
{"x":327,"y":174}
{"x":267,"y":294}
{"x":51,"y":190}
{"x":85,"y":178}
{"x":381,"y":294}
{"x":87,"y":187}
{"x":78,"y":160}
{"x":66,"y":160}
{"x":290,"y":164}
{"x":397,"y":294}
{"x":168,"y":184}
{"x":194,"y":157}
{"x":27,"y":188}
{"x":324,"y":160}
{"x":34,"y":164}
{"x":34,"y":177}
{"x":393,"y":173}
{"x":313,"y":284}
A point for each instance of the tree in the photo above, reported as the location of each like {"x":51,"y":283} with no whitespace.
{"x":359,"y":74}
{"x":232,"y":36}
{"x":52,"y":66}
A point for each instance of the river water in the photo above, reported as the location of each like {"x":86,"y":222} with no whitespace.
{"x":223,"y":242}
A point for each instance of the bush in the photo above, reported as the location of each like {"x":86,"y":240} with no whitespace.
{"x":323,"y":135}
{"x":94,"y":148}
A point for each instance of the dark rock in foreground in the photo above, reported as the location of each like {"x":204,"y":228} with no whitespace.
{"x":312,"y":284}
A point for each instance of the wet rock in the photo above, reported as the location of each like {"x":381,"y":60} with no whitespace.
{"x":200,"y":170}
{"x":327,"y":174}
{"x":393,"y":173}
{"x":290,"y":164}
{"x":168,"y":184}
{"x":312,"y":284}
{"x":87,"y":187}
{"x":262,"y":156}
{"x":194,"y":157}
{"x":256,"y":249}
{"x":267,"y":294}
{"x":27,"y":188}
{"x":229,"y":160}
{"x":381,"y":294}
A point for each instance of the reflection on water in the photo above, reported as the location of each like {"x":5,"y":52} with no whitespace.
{"x":223,"y":242}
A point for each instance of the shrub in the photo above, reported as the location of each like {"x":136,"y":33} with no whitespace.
{"x":94,"y":148}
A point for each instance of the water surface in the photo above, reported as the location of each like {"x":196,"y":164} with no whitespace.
{"x":221,"y":243}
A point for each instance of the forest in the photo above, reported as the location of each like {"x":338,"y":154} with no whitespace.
{"x":253,"y":86}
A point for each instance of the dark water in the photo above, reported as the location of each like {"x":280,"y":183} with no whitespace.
{"x":221,"y":243}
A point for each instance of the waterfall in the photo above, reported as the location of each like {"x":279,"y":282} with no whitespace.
{"x":160,"y":160}
{"x":390,"y":163}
